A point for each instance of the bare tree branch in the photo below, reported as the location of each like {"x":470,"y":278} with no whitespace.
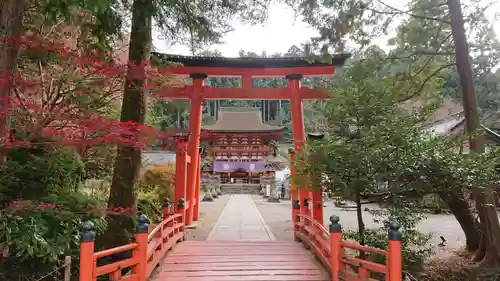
{"x":409,"y":12}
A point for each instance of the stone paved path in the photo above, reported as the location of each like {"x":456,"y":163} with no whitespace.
{"x":241,"y":221}
{"x":209,"y":215}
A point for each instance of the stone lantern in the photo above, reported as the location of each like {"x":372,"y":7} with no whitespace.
{"x":205,"y":184}
{"x":217,"y":185}
{"x":213,"y":184}
{"x":267,"y":181}
{"x":273,"y":196}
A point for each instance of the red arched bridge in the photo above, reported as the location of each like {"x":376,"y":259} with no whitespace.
{"x":316,"y":253}
{"x":248,"y":258}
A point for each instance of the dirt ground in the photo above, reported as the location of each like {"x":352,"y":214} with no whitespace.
{"x":209,"y":214}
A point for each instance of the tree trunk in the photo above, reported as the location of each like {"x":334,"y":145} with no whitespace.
{"x":460,"y":208}
{"x":489,"y":250}
{"x":128,"y":159}
{"x":11,"y":23}
{"x":361,"y":224}
{"x":264,"y":110}
{"x":273,"y":109}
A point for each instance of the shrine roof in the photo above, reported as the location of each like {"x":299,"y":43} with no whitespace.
{"x":283,"y":62}
{"x":241,"y":120}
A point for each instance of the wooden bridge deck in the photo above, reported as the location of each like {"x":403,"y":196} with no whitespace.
{"x":240,"y":260}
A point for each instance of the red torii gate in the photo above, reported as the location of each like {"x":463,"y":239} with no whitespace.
{"x":200,"y":68}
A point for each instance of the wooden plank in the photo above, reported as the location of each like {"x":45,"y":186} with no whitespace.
{"x":251,"y":263}
{"x":238,"y":266}
{"x":249,"y":278}
{"x":240,"y":260}
{"x":243,"y":243}
{"x":229,"y":252}
{"x":291,"y":272}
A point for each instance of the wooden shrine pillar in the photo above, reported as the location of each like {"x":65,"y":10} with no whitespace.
{"x":299,"y":139}
{"x":180,"y":172}
{"x":298,"y":132}
{"x":196,"y":111}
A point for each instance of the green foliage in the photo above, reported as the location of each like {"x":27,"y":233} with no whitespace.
{"x":374,"y":141}
{"x":379,"y":146}
{"x":106,"y":21}
{"x":208,"y":120}
{"x":157,"y":185}
{"x":149,"y":204}
{"x":423,"y":37}
{"x":439,"y":167}
{"x":42,"y":211}
{"x":373,"y":137}
{"x":38,"y":237}
{"x":32,"y":174}
{"x":98,"y":162}
{"x":198,"y":23}
{"x":416,"y":246}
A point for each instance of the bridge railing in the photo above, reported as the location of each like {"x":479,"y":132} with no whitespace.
{"x":330,"y":248}
{"x":147,"y":250}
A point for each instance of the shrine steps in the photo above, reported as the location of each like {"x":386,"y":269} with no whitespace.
{"x":240,"y":188}
{"x":240,"y":260}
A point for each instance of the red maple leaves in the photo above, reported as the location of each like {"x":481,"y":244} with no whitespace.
{"x":62,"y":101}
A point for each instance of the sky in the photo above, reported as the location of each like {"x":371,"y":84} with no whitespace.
{"x":281,"y":30}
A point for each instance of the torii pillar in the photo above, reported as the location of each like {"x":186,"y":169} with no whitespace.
{"x":299,"y":139}
{"x":195,"y":116}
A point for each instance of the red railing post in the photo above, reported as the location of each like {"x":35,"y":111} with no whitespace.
{"x":295,"y":212}
{"x":335,"y":239}
{"x":317,"y":206}
{"x":141,"y":252}
{"x":181,"y":209}
{"x":305,"y":207}
{"x":87,"y":238}
{"x":394,"y":256}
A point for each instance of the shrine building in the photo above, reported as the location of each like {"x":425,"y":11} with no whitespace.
{"x":240,"y":146}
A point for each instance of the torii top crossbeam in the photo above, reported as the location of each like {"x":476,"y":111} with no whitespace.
{"x":291,"y":68}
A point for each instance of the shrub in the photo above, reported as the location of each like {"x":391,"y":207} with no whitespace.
{"x":42,"y":210}
{"x":31,"y":174}
{"x":99,"y":162}
{"x":415,"y":245}
{"x":157,"y":184}
{"x":38,"y":234}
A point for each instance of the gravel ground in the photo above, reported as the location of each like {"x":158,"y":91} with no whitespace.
{"x":209,"y":214}
{"x":278,"y":217}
